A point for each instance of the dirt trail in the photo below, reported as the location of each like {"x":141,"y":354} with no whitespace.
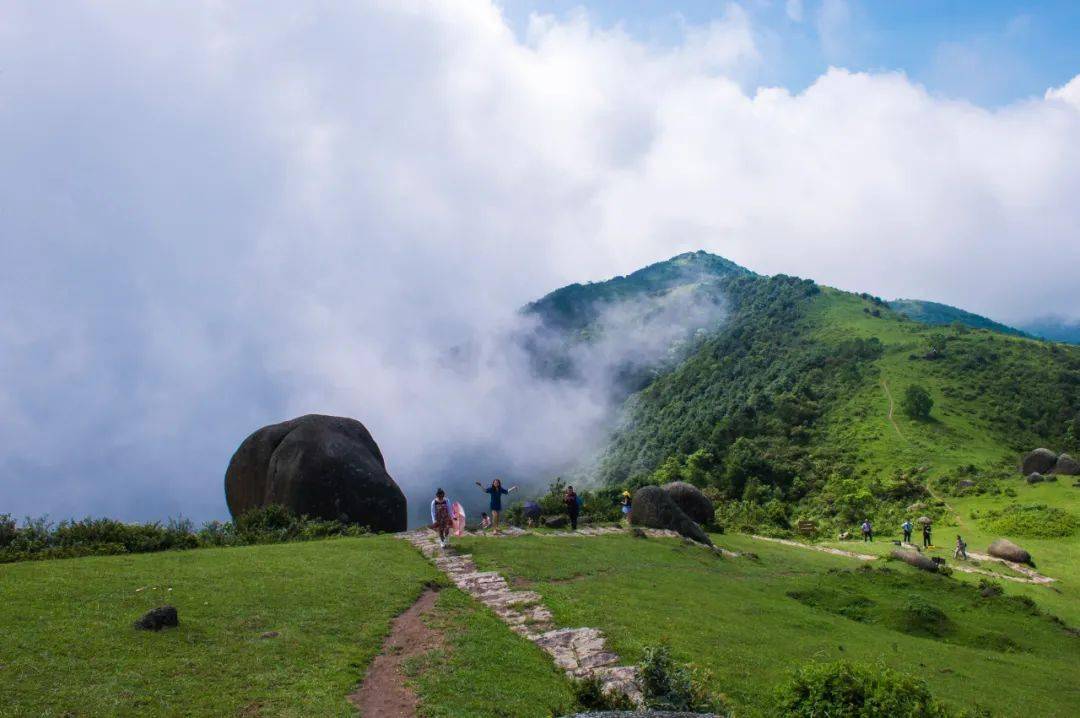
{"x":1029,"y":575}
{"x":384,"y":693}
{"x":892,"y":408}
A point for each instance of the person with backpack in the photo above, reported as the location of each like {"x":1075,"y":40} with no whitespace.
{"x":441,"y":520}
{"x":496,"y":491}
{"x":961,"y":548}
{"x":867,"y":530}
{"x":573,"y":506}
{"x":906,"y":528}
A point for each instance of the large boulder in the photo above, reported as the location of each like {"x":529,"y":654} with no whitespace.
{"x":694,"y":504}
{"x":325,"y":467}
{"x":1067,"y":466}
{"x":1039,"y":461}
{"x":654,"y":507}
{"x":1003,"y":548}
{"x":916,"y":559}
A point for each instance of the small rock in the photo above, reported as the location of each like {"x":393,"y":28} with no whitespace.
{"x":1035,"y":478}
{"x":158,"y":618}
{"x":270,"y":634}
{"x":556,"y":522}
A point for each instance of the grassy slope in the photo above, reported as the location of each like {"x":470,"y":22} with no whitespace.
{"x":735,"y":617}
{"x":68,"y":647}
{"x":485,"y":670}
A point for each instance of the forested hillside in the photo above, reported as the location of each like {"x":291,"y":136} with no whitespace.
{"x":801,"y":399}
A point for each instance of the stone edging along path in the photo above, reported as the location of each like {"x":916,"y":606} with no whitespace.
{"x":1032,"y":576}
{"x":580,"y":652}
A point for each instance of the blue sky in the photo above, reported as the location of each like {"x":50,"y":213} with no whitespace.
{"x":216,"y":216}
{"x":989,"y":52}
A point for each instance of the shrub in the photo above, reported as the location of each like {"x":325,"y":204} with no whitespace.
{"x":844,"y":690}
{"x":923,"y":619}
{"x":917,"y":402}
{"x":668,"y":685}
{"x":1032,"y":520}
{"x":590,"y":696}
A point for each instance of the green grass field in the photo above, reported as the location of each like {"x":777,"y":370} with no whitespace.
{"x":739,"y":618}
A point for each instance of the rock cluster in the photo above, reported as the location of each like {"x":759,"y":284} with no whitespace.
{"x":654,"y":508}
{"x":1045,"y":461}
{"x":325,"y":467}
{"x":689,"y":498}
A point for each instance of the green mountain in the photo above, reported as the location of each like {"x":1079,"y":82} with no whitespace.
{"x":944,"y":315}
{"x":793,"y":403}
{"x":1055,"y":329}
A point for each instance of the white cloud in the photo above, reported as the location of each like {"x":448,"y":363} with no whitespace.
{"x":794,"y":10}
{"x":219,"y":216}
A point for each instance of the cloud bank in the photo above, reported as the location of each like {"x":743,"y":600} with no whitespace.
{"x":215,"y":216}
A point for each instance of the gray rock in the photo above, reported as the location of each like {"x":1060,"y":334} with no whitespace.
{"x":1067,"y":466}
{"x":556,"y":522}
{"x":694,"y":504}
{"x":1035,"y":478}
{"x":1039,"y":461}
{"x":158,"y":618}
{"x":1003,"y":548}
{"x":325,"y":467}
{"x":916,"y":559}
{"x":654,"y":508}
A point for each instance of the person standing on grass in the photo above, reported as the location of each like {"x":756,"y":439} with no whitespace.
{"x":496,"y":491}
{"x":867,"y":530}
{"x":440,"y":516}
{"x":926,"y":535}
{"x":906,"y":528}
{"x":961,"y":548}
{"x":572,"y":506}
{"x":627,"y":505}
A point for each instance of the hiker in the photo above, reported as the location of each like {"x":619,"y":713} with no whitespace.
{"x":867,"y":530}
{"x":485,"y":521}
{"x":626,"y":504}
{"x":573,"y":507}
{"x":961,"y":548}
{"x":497,"y":492}
{"x":440,"y":516}
{"x":906,"y":528}
{"x":926,"y":535}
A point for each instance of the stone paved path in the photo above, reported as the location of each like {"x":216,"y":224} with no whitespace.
{"x":581,"y":652}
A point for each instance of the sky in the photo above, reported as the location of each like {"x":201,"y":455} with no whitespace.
{"x":216,"y":215}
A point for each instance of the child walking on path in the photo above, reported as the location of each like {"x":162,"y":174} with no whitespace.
{"x":961,"y":548}
{"x":497,"y":492}
{"x":627,"y":505}
{"x":440,"y":516}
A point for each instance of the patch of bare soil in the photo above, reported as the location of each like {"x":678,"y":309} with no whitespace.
{"x":384,"y":693}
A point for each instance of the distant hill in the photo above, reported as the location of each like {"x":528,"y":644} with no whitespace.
{"x":794,"y":394}
{"x":943,"y":315}
{"x":1055,"y":329}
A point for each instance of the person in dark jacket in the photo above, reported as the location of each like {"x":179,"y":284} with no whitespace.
{"x":926,"y":535}
{"x":572,"y":506}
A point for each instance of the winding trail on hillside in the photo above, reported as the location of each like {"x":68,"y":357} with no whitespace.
{"x":1029,"y":575}
{"x":892,"y":408}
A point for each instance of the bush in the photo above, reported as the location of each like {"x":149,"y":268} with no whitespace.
{"x":667,"y":685}
{"x":1030,"y":520}
{"x":39,"y":539}
{"x":844,"y":690}
{"x":917,"y":402}
{"x":590,"y":696}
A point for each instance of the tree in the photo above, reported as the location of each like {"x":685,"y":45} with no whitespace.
{"x":917,"y":402}
{"x":937,"y":343}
